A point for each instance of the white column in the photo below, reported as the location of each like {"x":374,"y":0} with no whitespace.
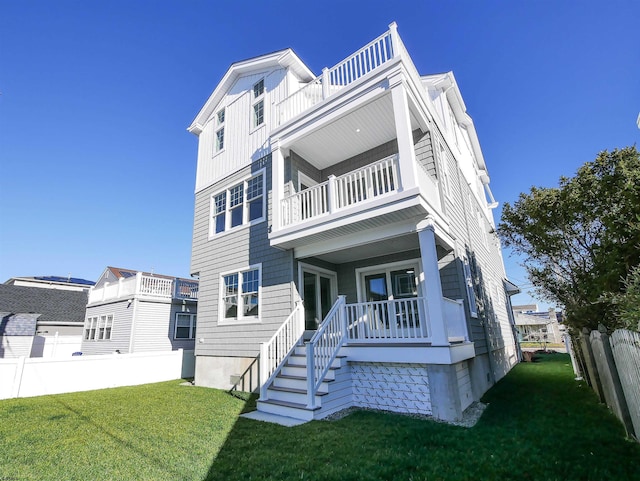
{"x":402,"y":117}
{"x":277,"y":185}
{"x":431,"y":285}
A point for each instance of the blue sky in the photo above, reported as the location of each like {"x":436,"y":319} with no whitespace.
{"x":98,"y":169}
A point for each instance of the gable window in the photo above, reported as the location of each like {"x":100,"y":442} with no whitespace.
{"x":98,"y":328}
{"x":241,"y":204}
{"x":220,"y":132}
{"x":185,"y":326}
{"x":241,"y":294}
{"x":258,"y":105}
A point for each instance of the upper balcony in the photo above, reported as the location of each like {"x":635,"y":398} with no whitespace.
{"x":354,"y":136}
{"x":145,"y":286}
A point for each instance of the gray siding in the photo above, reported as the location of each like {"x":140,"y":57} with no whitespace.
{"x":120,"y":332}
{"x":232,"y":251}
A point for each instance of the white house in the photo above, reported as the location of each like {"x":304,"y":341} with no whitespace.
{"x":344,"y":238}
{"x":132,"y":311}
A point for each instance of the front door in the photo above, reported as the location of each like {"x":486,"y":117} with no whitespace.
{"x":319,"y":287}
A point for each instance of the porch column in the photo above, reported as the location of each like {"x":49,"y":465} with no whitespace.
{"x":277,"y":184}
{"x":402,"y":118}
{"x":430,"y":283}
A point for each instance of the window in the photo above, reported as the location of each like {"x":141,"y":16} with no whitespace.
{"x":258,"y":89}
{"x":98,"y":328}
{"x":220,"y":132}
{"x":471,"y":294}
{"x":241,"y":204}
{"x":258,"y":106}
{"x":185,"y":326}
{"x":241,"y":294}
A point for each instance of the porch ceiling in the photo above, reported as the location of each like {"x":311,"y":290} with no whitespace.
{"x":373,"y":249}
{"x":357,"y":131}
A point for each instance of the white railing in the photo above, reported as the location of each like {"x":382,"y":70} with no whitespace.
{"x":307,"y":204}
{"x":277,"y":350}
{"x":156,"y":286}
{"x":455,"y":321}
{"x":145,"y":286}
{"x":358,"y":186}
{"x":394,"y":320}
{"x":323,"y":348}
{"x":369,"y":58}
{"x":371,"y":181}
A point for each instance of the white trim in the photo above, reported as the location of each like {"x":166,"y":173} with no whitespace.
{"x":192,"y":325}
{"x":239,"y":320}
{"x":305,"y":179}
{"x":311,"y":269}
{"x":245,"y":222}
{"x":388,"y":267}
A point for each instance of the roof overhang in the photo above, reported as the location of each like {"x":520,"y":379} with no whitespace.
{"x":286,"y":58}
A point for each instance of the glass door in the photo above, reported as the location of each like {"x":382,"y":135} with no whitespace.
{"x":319,"y":292}
{"x":391,"y":294}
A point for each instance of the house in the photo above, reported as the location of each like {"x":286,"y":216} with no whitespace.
{"x":132,"y":311}
{"x":48,"y":322}
{"x":344,"y":238}
{"x":536,"y":326}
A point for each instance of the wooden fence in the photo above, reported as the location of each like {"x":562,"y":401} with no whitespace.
{"x":611,"y":366}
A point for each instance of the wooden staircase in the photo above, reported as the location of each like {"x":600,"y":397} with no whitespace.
{"x":287,"y":395}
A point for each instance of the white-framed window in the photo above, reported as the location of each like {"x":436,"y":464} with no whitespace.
{"x":241,"y":204}
{"x":240,"y":295}
{"x":219,"y":141}
{"x":185,"y":326}
{"x":257,"y":109}
{"x":98,"y":328}
{"x":471,"y":293}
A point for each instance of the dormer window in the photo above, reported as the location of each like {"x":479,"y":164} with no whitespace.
{"x":258,"y":104}
{"x":220,"y":131}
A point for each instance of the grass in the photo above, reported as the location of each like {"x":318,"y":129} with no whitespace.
{"x":540,"y":425}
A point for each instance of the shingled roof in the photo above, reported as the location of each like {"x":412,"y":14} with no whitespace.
{"x":53,"y":305}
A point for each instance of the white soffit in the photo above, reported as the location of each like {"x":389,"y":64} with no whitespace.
{"x":360,"y":130}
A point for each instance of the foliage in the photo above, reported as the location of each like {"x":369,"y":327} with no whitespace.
{"x":628,"y":303}
{"x":581,"y":239}
{"x":170,"y":432}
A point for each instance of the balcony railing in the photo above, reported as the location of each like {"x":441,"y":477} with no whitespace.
{"x":337,"y":193}
{"x":146,"y":286}
{"x":395,"y":320}
{"x":369,"y":58}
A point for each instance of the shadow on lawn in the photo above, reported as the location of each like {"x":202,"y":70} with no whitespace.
{"x":540,"y":424}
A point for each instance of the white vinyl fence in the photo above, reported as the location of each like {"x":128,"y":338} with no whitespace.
{"x":626,"y":352}
{"x":26,"y":377}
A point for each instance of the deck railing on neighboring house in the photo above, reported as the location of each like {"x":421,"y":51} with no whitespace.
{"x":145,"y":285}
{"x":369,"y":58}
{"x":367,"y":183}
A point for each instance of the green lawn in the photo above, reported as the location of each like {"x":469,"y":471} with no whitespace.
{"x":540,"y":424}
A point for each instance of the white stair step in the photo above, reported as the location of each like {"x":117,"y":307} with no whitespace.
{"x":289,"y":409}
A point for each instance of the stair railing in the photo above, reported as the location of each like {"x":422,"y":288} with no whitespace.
{"x":275,"y":352}
{"x":323,"y":348}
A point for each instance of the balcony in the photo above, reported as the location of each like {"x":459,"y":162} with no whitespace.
{"x":145,"y":286}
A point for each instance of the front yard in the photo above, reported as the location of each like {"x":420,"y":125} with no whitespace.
{"x":540,"y":425}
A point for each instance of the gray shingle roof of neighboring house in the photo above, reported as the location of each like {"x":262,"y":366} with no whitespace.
{"x":17,"y":324}
{"x":53,"y":305}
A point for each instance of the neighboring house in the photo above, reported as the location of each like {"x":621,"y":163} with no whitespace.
{"x":351,"y":210}
{"x":131,"y":311}
{"x":52,"y":282}
{"x":59,"y":315}
{"x":536,"y":326}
